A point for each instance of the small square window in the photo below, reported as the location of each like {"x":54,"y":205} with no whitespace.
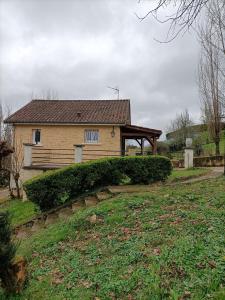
{"x":36,"y":136}
{"x":91,"y":136}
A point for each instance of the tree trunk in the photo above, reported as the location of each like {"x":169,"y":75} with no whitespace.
{"x":16,"y":178}
{"x":217,"y":148}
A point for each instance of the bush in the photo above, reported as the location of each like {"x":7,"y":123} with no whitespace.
{"x":56,"y":187}
{"x":7,"y":254}
{"x":4,"y":178}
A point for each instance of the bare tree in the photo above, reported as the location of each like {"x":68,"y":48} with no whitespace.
{"x":186,"y":13}
{"x":211,"y":79}
{"x":49,"y":94}
{"x":5,"y":129}
{"x":1,"y":120}
{"x":216,"y":17}
{"x":181,"y":129}
{"x":16,"y":165}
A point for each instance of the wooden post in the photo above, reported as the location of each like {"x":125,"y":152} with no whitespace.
{"x":142,"y":146}
{"x":154,"y":147}
{"x":123,"y":145}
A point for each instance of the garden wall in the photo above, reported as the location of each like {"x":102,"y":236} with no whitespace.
{"x":202,"y":161}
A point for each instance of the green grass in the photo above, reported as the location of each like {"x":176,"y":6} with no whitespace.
{"x":166,"y":244}
{"x":183,"y":174}
{"x":20,"y":211}
{"x":210,"y":149}
{"x":23,"y":211}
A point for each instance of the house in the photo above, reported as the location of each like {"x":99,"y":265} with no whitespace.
{"x":54,"y":133}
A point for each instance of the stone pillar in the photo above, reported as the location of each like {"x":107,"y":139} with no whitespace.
{"x":188,"y":154}
{"x":188,"y":158}
{"x":27,"y":155}
{"x":78,"y":153}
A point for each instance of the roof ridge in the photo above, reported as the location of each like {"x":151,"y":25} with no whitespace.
{"x":125,"y":99}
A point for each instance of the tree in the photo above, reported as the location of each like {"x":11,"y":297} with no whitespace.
{"x":16,"y":165}
{"x":186,"y":13}
{"x":5,"y":150}
{"x":5,"y":147}
{"x":49,"y":94}
{"x":216,"y":18}
{"x":5,"y":129}
{"x":211,"y":80}
{"x":180,"y":129}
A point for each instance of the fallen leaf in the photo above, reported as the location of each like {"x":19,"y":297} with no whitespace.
{"x":186,"y":295}
{"x":92,"y":219}
{"x":157,"y":251}
{"x":57,"y":280}
{"x":86,"y":283}
{"x":212,"y":264}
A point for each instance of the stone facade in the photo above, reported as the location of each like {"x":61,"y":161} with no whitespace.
{"x":66,"y":136}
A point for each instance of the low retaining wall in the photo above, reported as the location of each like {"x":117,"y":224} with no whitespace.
{"x":209,"y":161}
{"x":202,"y":161}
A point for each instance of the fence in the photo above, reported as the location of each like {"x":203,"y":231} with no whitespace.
{"x":57,"y":157}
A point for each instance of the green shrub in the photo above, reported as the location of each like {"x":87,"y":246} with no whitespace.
{"x":56,"y":187}
{"x":7,"y":254}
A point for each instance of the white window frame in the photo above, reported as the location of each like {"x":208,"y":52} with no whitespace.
{"x":33,"y":136}
{"x":89,"y":134}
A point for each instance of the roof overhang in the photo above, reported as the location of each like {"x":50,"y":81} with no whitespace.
{"x":135,"y":132}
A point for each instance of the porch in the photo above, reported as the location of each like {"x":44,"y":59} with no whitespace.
{"x":140,"y":135}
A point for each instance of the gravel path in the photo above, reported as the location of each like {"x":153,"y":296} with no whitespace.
{"x":216,"y":172}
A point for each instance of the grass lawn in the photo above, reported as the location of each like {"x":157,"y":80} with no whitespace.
{"x":183,"y":174}
{"x":167,"y":244}
{"x":210,"y":148}
{"x":20,"y":211}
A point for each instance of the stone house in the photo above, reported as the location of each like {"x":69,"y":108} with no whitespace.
{"x":49,"y":134}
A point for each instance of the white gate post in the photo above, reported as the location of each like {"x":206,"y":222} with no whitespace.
{"x":78,"y":153}
{"x":27,"y":155}
{"x":188,"y":154}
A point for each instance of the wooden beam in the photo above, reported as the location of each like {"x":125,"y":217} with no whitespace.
{"x":138,"y":142}
{"x":137,"y":135}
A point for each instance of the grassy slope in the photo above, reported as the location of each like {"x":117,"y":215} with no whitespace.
{"x":24,"y":211}
{"x":20,"y":211}
{"x":183,"y":174}
{"x":160,"y":245}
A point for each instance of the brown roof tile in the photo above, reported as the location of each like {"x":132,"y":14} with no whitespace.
{"x":73,"y":112}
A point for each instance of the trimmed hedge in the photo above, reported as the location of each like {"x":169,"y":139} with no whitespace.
{"x":54,"y":188}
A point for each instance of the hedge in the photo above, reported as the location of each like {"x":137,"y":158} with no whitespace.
{"x":54,"y":188}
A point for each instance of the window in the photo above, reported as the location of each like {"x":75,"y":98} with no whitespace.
{"x":91,"y":136}
{"x":37,"y":136}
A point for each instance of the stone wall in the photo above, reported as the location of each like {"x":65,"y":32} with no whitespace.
{"x":209,"y":161}
{"x":202,"y":161}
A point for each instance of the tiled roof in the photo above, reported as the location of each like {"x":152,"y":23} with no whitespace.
{"x":73,"y":112}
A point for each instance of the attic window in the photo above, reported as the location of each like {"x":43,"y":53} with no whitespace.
{"x":36,"y":136}
{"x":91,"y":136}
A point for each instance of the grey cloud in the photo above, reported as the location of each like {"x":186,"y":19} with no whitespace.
{"x":79,"y":47}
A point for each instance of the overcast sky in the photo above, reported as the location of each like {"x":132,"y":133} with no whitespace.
{"x":79,"y":47}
